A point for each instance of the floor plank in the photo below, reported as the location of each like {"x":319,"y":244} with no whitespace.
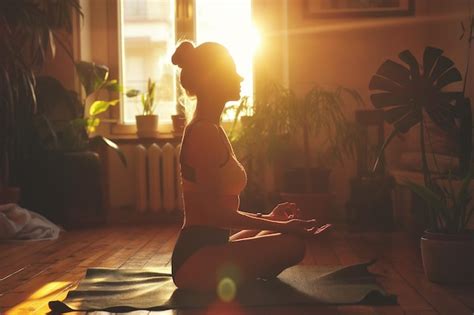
{"x":412,"y":272}
{"x":36,"y":273}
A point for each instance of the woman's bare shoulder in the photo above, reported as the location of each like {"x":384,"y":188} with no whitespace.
{"x":204,"y":144}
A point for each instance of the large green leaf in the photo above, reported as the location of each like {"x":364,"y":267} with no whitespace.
{"x":395,"y":72}
{"x":113,"y":86}
{"x":430,"y":55}
{"x":101,"y":106}
{"x":443,"y":64}
{"x":384,"y":84}
{"x":132,"y":93}
{"x":382,"y":100}
{"x":411,"y":61}
{"x":450,"y":76}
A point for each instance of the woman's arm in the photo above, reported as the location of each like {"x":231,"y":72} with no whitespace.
{"x":247,"y":221}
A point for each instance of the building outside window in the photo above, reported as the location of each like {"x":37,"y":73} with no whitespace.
{"x":149,"y":32}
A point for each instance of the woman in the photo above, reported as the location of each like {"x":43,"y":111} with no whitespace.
{"x":212,"y":180}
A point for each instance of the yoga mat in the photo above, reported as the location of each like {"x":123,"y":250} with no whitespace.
{"x":124,"y":290}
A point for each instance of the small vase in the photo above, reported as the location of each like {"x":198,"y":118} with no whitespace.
{"x":147,"y":126}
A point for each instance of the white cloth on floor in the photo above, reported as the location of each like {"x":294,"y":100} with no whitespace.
{"x":17,"y":223}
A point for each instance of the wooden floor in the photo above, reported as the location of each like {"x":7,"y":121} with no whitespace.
{"x":31,"y":274}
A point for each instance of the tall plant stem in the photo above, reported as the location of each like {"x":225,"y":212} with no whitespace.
{"x":425,"y":168}
{"x":307,"y":156}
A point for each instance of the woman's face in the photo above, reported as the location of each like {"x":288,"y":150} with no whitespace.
{"x":219,"y":78}
{"x":230,"y":82}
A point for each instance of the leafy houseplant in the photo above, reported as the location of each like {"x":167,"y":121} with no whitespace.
{"x":28,"y":36}
{"x":410,"y":97}
{"x":319,"y":119}
{"x":147,"y":122}
{"x":64,"y":150}
{"x":72,"y":132}
{"x":280,"y":117}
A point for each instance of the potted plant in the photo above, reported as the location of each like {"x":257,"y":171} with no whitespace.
{"x":447,"y":245}
{"x":280,"y":119}
{"x":179,"y":120}
{"x":410,"y":96}
{"x":328,"y":138}
{"x":147,"y":122}
{"x":28,"y":36}
{"x":64,"y":148}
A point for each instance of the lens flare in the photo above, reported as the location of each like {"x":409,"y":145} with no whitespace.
{"x":226,"y":289}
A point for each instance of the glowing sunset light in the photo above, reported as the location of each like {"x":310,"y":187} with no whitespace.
{"x":230,"y":23}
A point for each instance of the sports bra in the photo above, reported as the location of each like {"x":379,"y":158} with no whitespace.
{"x":227,"y":179}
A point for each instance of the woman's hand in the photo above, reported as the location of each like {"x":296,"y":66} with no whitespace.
{"x":285,"y":211}
{"x":304,"y":228}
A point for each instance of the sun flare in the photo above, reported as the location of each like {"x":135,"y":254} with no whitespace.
{"x":230,"y":23}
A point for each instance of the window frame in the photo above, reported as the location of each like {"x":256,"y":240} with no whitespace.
{"x":104,"y":16}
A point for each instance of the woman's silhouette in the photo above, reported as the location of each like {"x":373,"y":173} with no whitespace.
{"x":212,"y":179}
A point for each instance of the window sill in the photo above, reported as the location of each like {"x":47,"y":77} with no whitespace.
{"x":127,"y":130}
{"x":127,"y":134}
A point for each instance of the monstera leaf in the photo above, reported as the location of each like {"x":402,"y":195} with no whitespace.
{"x":404,"y":91}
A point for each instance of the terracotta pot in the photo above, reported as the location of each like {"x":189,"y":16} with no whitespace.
{"x":448,"y":258}
{"x":179,"y":122}
{"x":147,"y":125}
{"x":313,"y":205}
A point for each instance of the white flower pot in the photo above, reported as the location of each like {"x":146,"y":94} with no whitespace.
{"x":147,"y":125}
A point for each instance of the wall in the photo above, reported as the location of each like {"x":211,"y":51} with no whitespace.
{"x":348,"y":52}
{"x":299,"y":51}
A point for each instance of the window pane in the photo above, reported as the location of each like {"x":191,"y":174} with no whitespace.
{"x":229,"y":22}
{"x":147,"y":43}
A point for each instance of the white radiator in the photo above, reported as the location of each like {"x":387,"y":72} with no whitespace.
{"x":157,"y":178}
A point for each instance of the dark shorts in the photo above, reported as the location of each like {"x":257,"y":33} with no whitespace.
{"x":193,"y":238}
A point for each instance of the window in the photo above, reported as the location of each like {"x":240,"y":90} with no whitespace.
{"x":150,"y":29}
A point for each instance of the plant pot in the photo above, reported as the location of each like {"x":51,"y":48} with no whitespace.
{"x":65,"y":187}
{"x":294,"y":180}
{"x":179,"y":122}
{"x":147,"y":125}
{"x":9,"y":194}
{"x":312,"y":205}
{"x":448,"y":258}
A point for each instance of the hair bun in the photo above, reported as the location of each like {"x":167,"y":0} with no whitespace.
{"x":183,"y":54}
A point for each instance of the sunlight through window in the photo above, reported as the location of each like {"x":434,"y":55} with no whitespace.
{"x":230,"y":23}
{"x":148,"y":41}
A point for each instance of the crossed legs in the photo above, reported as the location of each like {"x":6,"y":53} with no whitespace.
{"x":264,"y":255}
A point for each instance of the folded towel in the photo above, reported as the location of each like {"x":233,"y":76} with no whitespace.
{"x":17,"y":223}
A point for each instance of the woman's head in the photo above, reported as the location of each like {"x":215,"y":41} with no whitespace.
{"x":207,"y":69}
